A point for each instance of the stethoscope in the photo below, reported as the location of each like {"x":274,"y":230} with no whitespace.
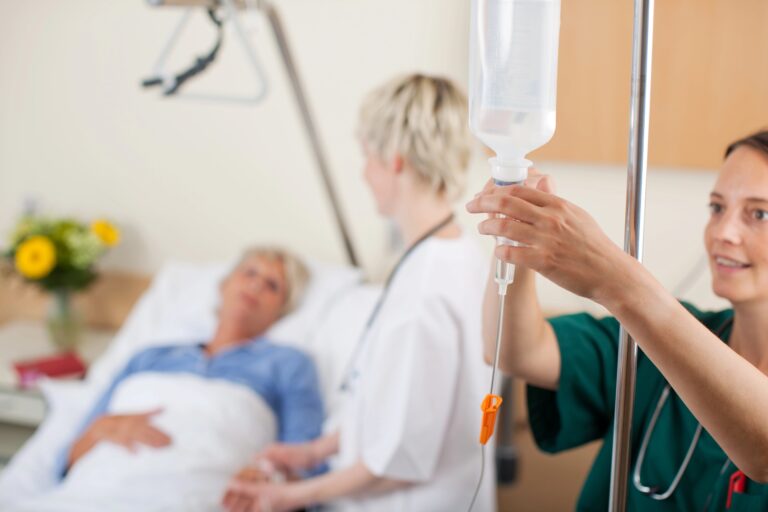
{"x":653,"y":491}
{"x":351,"y":374}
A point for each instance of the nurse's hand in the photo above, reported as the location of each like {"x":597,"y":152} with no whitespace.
{"x":535,"y":180}
{"x":562,"y":241}
{"x":259,"y":496}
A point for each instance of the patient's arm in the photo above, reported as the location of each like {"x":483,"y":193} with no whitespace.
{"x":87,"y":439}
{"x":128,"y":430}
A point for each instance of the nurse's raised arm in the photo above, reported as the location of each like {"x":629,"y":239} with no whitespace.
{"x":565,"y":244}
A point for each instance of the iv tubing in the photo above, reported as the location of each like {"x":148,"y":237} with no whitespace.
{"x":509,"y":271}
{"x":505,"y":274}
{"x":499,"y":327}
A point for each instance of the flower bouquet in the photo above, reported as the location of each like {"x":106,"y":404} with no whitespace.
{"x":59,"y":256}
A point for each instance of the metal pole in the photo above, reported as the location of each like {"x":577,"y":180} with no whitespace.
{"x":642,"y":55}
{"x":309,"y":125}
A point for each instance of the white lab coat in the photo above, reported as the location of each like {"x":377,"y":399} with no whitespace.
{"x":413,"y":413}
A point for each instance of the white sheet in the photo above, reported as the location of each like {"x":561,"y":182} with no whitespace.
{"x":216,"y":426}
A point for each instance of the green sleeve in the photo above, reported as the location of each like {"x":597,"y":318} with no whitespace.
{"x":581,"y":409}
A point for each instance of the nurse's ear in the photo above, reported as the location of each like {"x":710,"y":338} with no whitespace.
{"x":396,"y":164}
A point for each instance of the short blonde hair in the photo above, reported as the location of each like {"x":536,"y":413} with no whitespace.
{"x":424,"y":120}
{"x":295,"y":271}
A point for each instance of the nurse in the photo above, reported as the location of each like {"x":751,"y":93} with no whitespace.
{"x":700,"y":423}
{"x":409,"y":441}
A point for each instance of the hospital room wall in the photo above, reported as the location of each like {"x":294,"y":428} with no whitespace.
{"x":197,"y":181}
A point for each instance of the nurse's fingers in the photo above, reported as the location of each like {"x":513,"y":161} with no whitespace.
{"x":505,"y":204}
{"x":525,"y":256}
{"x":511,"y":229}
{"x":536,"y":197}
{"x":542,"y":182}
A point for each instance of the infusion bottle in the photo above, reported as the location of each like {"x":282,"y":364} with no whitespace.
{"x":513,"y":80}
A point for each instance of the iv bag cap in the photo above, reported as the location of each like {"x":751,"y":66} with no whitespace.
{"x":510,"y":171}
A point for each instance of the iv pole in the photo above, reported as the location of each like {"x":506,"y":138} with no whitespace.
{"x":642,"y":55}
{"x":309,"y":126}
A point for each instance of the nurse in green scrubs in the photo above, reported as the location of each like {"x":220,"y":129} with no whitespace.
{"x":700,"y":422}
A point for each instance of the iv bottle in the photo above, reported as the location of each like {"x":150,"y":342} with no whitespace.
{"x":513,"y":80}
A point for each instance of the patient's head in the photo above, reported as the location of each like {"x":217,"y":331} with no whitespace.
{"x":266,"y":284}
{"x":421,"y":121}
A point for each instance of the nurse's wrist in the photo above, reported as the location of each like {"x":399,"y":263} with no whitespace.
{"x":627,"y":288}
{"x":615,"y":288}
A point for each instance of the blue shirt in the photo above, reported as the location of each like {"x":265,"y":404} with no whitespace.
{"x":284,"y":377}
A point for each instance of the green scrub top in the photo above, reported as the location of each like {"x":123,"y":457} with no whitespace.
{"x":582,"y":408}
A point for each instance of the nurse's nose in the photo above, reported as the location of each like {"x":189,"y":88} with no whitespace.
{"x":727,"y":228}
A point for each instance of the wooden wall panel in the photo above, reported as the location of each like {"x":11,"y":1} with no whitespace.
{"x":105,"y":305}
{"x":710,"y":80}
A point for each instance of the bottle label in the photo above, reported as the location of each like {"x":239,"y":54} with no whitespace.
{"x":518,"y":54}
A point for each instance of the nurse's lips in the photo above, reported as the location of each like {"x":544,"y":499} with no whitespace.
{"x":730,"y":265}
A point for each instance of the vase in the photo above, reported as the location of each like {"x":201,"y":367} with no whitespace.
{"x":64,"y":323}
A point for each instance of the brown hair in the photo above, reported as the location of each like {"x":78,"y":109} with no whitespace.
{"x":758,"y":141}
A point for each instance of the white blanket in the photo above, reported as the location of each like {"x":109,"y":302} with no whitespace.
{"x":216,"y":426}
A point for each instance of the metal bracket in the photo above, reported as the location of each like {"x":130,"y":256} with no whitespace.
{"x":270,"y":13}
{"x":168,"y":80}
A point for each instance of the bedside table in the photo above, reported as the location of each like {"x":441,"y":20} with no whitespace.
{"x":21,"y":411}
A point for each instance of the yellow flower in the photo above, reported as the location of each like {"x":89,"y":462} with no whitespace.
{"x":35,"y":257}
{"x":107,"y":232}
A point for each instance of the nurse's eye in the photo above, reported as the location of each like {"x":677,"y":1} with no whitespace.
{"x":715,"y":208}
{"x":760,"y":214}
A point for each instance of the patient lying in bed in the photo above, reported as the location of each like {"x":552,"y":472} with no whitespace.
{"x":178,"y":421}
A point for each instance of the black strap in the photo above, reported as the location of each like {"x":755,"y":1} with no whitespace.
{"x":399,"y":264}
{"x":199,"y":65}
{"x":379,"y":303}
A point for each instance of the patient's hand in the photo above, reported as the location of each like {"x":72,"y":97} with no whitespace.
{"x":238,"y":501}
{"x":258,"y":496}
{"x":128,"y":430}
{"x":290,"y":458}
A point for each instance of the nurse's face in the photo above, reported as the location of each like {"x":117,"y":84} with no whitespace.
{"x":736,"y":236}
{"x":381,"y":177}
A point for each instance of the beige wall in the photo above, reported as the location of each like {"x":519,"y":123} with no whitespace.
{"x":190,"y":179}
{"x":197,"y":181}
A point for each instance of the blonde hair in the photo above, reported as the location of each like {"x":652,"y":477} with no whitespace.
{"x":294,"y":269}
{"x":424,"y":120}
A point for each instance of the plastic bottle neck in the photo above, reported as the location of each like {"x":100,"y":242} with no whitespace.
{"x":509,"y":171}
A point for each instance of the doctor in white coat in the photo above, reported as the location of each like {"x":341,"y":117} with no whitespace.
{"x":409,"y":440}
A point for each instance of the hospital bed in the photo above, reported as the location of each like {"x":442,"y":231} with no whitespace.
{"x":179,"y":307}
